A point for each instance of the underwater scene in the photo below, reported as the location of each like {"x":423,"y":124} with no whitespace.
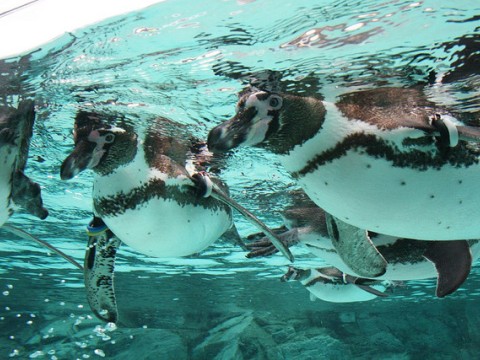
{"x":241,"y":179}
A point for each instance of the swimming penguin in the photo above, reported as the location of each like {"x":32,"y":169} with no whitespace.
{"x":16,"y":189}
{"x":332,"y":285}
{"x":406,"y":259}
{"x":149,"y":191}
{"x":386,"y":160}
{"x":142,"y":189}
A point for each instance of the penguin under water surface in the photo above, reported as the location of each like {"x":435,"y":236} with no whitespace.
{"x":403,"y":259}
{"x":144,"y":194}
{"x":387,"y":160}
{"x":16,"y":189}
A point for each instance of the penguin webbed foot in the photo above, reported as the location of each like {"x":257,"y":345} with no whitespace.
{"x":453,"y":262}
{"x":260,"y":235}
{"x":264,"y":247}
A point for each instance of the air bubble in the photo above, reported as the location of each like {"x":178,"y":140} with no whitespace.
{"x":15,"y":352}
{"x":111,"y":326}
{"x":99,"y":352}
{"x":36,"y":354}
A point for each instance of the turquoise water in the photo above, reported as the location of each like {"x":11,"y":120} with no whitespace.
{"x":186,"y":60}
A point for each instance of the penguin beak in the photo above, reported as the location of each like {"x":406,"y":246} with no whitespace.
{"x":240,"y":130}
{"x":85,"y":155}
{"x":251,"y":125}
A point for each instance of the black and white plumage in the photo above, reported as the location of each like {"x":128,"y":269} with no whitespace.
{"x":332,"y":285}
{"x":406,"y":259}
{"x":145,"y":195}
{"x":16,"y":189}
{"x":386,"y":160}
{"x":142,"y":189}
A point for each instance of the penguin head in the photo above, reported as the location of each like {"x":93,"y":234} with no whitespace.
{"x":257,"y":117}
{"x":268,"y":119}
{"x":99,"y":147}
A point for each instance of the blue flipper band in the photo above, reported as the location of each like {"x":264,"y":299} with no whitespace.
{"x":96,"y":230}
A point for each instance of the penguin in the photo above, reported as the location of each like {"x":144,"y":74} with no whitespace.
{"x":145,"y":194}
{"x":387,"y":160}
{"x":142,"y":189}
{"x":332,"y":285}
{"x":406,"y":259}
{"x":16,"y":189}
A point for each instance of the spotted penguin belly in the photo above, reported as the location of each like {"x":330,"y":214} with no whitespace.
{"x":166,"y":229}
{"x":371,"y":194}
{"x":154,"y":218}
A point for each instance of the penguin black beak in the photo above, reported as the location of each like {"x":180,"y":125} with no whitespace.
{"x":218,"y":139}
{"x":78,"y":160}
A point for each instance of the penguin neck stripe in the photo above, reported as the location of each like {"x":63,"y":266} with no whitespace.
{"x":378,"y":148}
{"x":156,"y":188}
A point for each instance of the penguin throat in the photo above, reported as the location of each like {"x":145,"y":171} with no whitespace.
{"x":114,"y":157}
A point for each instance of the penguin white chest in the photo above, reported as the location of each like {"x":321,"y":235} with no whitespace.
{"x":155,"y":215}
{"x":371,"y":179}
{"x":371,"y":194}
{"x":165,"y":228}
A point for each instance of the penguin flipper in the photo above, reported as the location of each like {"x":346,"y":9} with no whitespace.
{"x":27,"y":236}
{"x":453,"y":261}
{"x":99,"y":272}
{"x":355,"y":248}
{"x":27,"y":194}
{"x":218,"y":194}
{"x":24,"y":119}
{"x":264,"y":246}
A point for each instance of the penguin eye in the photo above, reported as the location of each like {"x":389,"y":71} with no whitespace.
{"x":109,"y":138}
{"x":275,"y":102}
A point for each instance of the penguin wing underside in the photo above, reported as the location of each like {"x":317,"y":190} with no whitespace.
{"x":355,"y":248}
